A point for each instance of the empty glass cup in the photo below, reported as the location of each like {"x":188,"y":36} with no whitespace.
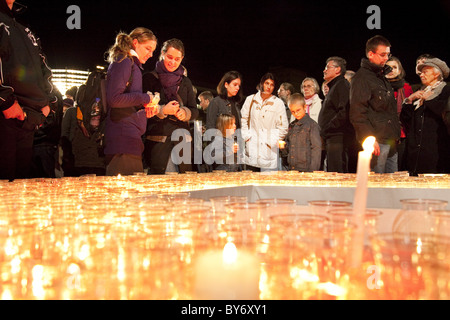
{"x":414,"y":218}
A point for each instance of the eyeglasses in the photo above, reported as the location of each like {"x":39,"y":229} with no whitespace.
{"x":384,"y":54}
{"x":328,"y":67}
{"x":307,"y":86}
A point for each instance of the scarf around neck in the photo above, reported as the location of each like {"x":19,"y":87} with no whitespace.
{"x":436,"y":90}
{"x":397,"y":83}
{"x":309,"y":102}
{"x":170,"y":81}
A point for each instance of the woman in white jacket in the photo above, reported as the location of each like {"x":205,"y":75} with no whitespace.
{"x":263,"y":124}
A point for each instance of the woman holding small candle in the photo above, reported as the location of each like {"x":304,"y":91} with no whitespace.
{"x":175,"y":88}
{"x":126,"y":118}
{"x":264,"y":123}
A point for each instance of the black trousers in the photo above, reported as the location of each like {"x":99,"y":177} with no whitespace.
{"x":342,"y":153}
{"x":156,"y":157}
{"x":336,"y":157}
{"x":16,"y":149}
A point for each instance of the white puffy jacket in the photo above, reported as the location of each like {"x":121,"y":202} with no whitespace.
{"x":262,"y":128}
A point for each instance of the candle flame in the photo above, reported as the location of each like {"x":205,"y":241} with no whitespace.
{"x":419,"y":246}
{"x":332,"y":289}
{"x":368,"y":144}
{"x":229,"y":253}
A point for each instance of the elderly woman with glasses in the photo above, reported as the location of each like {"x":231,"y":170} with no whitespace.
{"x":310,"y":90}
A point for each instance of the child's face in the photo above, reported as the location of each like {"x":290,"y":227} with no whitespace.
{"x":298,"y":110}
{"x":231,"y":128}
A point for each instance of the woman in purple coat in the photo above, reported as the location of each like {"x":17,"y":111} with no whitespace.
{"x":127,"y":117}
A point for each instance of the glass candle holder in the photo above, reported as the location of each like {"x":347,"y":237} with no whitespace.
{"x":413,"y":216}
{"x":412,"y":267}
{"x":321,"y":207}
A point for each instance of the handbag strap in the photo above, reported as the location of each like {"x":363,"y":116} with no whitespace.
{"x":250,"y":111}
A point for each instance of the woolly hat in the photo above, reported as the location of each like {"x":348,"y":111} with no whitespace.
{"x":68,"y":102}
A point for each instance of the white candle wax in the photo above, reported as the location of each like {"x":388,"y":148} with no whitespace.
{"x":360,"y":197}
{"x":222,"y":275}
{"x":362,"y":175}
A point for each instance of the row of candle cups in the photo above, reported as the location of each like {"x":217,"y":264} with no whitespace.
{"x":172,"y":247}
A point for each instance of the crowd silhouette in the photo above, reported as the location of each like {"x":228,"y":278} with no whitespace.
{"x":152,"y":119}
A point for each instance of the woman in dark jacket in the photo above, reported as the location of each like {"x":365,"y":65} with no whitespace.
{"x":402,"y":91}
{"x":227,"y":102}
{"x":428,"y":142}
{"x":176,"y":90}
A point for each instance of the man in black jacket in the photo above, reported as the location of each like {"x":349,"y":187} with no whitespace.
{"x":25,"y":92}
{"x":335,"y":127}
{"x":373,"y":110}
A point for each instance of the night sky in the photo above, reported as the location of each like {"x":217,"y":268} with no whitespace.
{"x":252,"y":37}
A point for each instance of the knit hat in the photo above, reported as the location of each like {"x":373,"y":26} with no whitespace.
{"x":68,"y":102}
{"x":437,"y":63}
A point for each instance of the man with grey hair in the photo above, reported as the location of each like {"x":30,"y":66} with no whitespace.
{"x":349,"y":75}
{"x":335,"y":127}
{"x":204,"y":98}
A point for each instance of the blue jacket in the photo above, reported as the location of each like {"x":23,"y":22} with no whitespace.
{"x":125,"y":135}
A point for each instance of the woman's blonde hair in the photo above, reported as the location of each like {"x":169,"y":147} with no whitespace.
{"x":224,"y":122}
{"x":124,"y":43}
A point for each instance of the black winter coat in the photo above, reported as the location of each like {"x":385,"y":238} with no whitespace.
{"x":333,"y":117}
{"x":165,"y":127}
{"x":373,"y":108}
{"x":25,"y":75}
{"x":427,"y":138}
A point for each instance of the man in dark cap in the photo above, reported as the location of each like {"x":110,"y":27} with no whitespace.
{"x":26,"y":92}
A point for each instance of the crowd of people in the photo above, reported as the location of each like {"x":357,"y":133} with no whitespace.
{"x":318,"y":127}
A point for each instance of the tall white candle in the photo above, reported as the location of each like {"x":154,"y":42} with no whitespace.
{"x":360,"y":197}
{"x":198,"y":140}
{"x":227,"y":275}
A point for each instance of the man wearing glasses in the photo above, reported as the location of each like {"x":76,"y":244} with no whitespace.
{"x":373,"y":110}
{"x":335,"y":127}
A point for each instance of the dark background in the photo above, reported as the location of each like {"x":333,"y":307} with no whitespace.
{"x":291,"y":38}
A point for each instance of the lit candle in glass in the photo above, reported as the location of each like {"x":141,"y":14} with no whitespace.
{"x":227,"y":275}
